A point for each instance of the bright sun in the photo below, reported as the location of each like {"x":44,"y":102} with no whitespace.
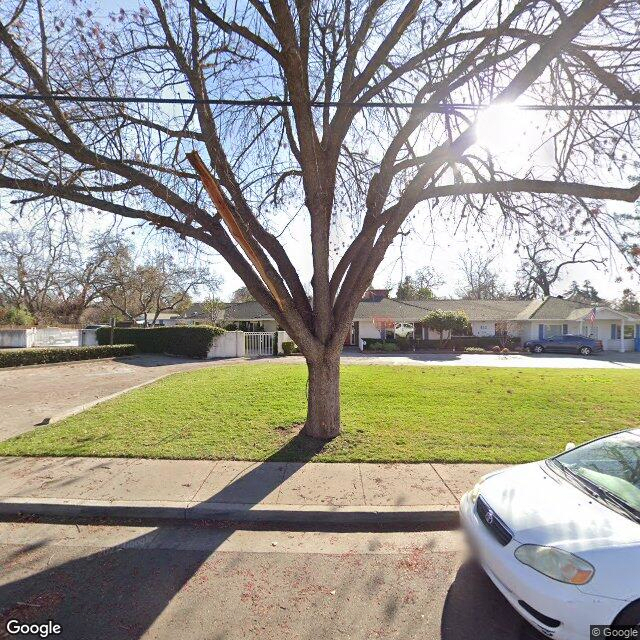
{"x":502,"y":130}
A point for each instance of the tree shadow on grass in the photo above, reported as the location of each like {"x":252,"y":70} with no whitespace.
{"x":118,"y":593}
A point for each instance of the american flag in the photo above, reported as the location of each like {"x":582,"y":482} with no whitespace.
{"x":591,"y":318}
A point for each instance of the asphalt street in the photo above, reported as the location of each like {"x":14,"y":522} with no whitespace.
{"x":119,"y":583}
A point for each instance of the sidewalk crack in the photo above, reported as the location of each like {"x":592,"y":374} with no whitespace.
{"x":364,"y":497}
{"x":455,"y":498}
{"x":215,"y":464}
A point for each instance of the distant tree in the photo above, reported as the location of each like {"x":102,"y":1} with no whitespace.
{"x":451,"y":322}
{"x":479,"y":279}
{"x":583,"y":293}
{"x":629,"y":302}
{"x":541,"y":268}
{"x":158,"y":285}
{"x":420,"y":286}
{"x":16,"y":316}
{"x":214,"y":310}
{"x":50,"y":273}
{"x":242,"y":295}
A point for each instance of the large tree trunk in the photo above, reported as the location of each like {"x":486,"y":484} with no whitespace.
{"x":323,"y":401}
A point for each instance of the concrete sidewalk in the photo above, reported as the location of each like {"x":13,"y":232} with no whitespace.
{"x":314,"y":495}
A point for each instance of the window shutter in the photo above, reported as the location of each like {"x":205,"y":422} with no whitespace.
{"x":540,"y":331}
{"x":565,"y":328}
{"x":613,"y":331}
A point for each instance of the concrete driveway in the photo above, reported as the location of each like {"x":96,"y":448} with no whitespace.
{"x":605,"y":360}
{"x":31,"y":396}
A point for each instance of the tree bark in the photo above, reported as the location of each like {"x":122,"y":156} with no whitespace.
{"x":323,"y":398}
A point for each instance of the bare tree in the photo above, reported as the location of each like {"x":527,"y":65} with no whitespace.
{"x":419,"y":286}
{"x":214,"y":309}
{"x":155,"y":286}
{"x":50,"y":273}
{"x":541,"y":267}
{"x":480,"y":281}
{"x":368,"y":124}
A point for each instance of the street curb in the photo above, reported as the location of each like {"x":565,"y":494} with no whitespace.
{"x":307,"y":517}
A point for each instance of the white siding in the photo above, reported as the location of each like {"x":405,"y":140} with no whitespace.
{"x":483,"y":328}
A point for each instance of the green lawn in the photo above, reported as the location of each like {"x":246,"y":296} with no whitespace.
{"x":414,"y":414}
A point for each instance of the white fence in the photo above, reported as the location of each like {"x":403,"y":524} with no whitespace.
{"x":258,"y":343}
{"x":57,"y":337}
{"x":228,"y":345}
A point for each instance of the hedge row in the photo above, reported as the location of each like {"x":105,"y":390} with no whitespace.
{"x":190,"y":341}
{"x":17,"y":358}
{"x":457,"y":343}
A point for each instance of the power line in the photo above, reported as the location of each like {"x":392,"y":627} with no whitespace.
{"x":276,"y":102}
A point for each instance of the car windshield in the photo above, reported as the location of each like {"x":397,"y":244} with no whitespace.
{"x":612,"y":464}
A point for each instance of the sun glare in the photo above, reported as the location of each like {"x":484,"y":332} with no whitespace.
{"x":502,"y":131}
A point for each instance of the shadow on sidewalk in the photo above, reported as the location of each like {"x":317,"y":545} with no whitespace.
{"x":118,"y":593}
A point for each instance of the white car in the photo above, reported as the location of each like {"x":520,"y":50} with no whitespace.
{"x":560,"y":538}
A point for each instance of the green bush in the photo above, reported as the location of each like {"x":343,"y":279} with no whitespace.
{"x":474,"y":350}
{"x":190,"y":341}
{"x":389,"y":346}
{"x":495,"y":349}
{"x":20,"y":357}
{"x":288,"y":347}
{"x":505,"y":351}
{"x":16,"y":316}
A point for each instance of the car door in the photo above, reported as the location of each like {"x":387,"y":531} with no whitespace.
{"x":553,"y":343}
{"x":569,"y":344}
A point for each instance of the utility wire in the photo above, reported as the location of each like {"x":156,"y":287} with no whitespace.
{"x":276,"y":102}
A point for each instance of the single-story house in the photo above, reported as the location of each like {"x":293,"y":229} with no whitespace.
{"x":378,"y":315}
{"x":527,"y":319}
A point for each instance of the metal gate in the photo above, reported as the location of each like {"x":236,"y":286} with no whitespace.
{"x":258,"y":343}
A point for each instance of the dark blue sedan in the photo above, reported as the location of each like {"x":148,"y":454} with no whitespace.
{"x":564,"y":344}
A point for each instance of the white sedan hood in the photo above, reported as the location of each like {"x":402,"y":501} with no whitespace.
{"x":542,"y":508}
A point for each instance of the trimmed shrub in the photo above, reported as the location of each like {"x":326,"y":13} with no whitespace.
{"x":495,"y":349}
{"x":288,"y":347}
{"x":190,"y":341}
{"x":505,"y":351}
{"x":389,"y":346}
{"x":474,"y":350}
{"x":22,"y":357}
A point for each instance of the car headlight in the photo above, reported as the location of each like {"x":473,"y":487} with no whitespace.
{"x":555,"y":563}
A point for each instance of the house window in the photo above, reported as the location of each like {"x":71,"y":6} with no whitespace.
{"x":628,"y":331}
{"x":555,"y":330}
{"x":616,"y":332}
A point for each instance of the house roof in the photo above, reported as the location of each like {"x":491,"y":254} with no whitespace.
{"x":476,"y":310}
{"x":414,"y":310}
{"x":560,"y":309}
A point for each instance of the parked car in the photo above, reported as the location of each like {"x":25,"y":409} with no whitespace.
{"x":568,"y":343}
{"x":560,"y":538}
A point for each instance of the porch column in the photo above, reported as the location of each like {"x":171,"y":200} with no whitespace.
{"x":580,"y":329}
{"x":622,"y":337}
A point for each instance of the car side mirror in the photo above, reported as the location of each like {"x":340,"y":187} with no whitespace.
{"x":569,"y":446}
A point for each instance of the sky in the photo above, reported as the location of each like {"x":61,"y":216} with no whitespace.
{"x":432,"y":243}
